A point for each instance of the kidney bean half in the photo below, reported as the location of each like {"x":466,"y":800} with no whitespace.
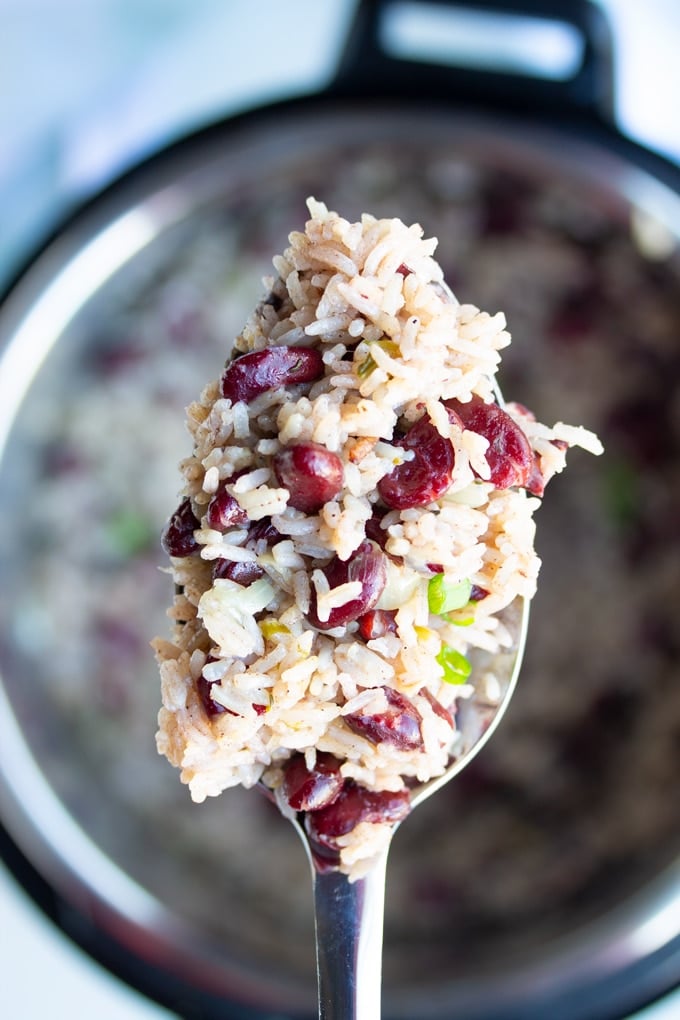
{"x":312,"y":789}
{"x":426,"y":476}
{"x":178,"y":535}
{"x":353,"y":805}
{"x":225,"y":511}
{"x":311,"y":473}
{"x":366,"y":565}
{"x":377,"y":623}
{"x":255,"y":373}
{"x":246,"y":571}
{"x":509,"y":455}
{"x":240,"y":572}
{"x":398,"y":725}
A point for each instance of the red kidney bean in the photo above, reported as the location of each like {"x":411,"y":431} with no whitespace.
{"x":353,"y":805}
{"x":243,"y":573}
{"x":523,"y":410}
{"x":311,"y":789}
{"x":509,"y":455}
{"x":246,"y":572}
{"x":398,"y":725}
{"x":204,"y":688}
{"x":262,"y":531}
{"x":255,"y":373}
{"x":375,"y":531}
{"x":426,"y":476}
{"x":325,"y":859}
{"x":379,"y":535}
{"x":178,"y":535}
{"x":438,"y":708}
{"x":225,"y":511}
{"x":535,"y":482}
{"x":366,"y":565}
{"x":377,"y":623}
{"x":311,"y":473}
{"x":212,"y":708}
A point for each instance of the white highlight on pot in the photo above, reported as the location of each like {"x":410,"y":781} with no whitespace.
{"x":32,"y":337}
{"x":487,"y":40}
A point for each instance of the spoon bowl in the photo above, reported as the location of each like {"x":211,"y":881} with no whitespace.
{"x":349,"y":914}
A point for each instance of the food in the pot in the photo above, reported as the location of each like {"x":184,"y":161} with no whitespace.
{"x":357,"y":512}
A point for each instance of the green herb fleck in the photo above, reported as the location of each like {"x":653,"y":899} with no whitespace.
{"x":368,"y":365}
{"x":460,"y":618}
{"x":443,"y":596}
{"x":456,"y":667}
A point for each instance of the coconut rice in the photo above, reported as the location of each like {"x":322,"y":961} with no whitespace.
{"x":254,"y":675}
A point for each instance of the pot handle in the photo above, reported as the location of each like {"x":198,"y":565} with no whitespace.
{"x":373,"y":67}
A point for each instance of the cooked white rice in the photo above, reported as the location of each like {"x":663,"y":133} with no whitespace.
{"x":287,"y":686}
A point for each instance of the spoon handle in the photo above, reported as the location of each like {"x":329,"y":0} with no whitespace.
{"x":349,"y":934}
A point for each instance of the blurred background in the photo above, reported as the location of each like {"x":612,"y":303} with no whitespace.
{"x":88,"y":88}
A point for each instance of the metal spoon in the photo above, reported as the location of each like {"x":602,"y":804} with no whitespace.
{"x":349,"y":915}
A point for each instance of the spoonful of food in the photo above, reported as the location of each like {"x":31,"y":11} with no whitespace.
{"x":353,"y":558}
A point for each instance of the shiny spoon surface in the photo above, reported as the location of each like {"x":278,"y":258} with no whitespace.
{"x":349,"y":915}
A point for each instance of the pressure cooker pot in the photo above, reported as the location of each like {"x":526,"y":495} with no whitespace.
{"x":544,"y":881}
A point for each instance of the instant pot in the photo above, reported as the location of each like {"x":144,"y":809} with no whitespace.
{"x":545,"y":883}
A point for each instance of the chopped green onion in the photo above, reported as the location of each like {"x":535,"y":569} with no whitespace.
{"x":368,"y":365}
{"x":443,"y":597}
{"x":460,"y":619}
{"x":456,"y":667}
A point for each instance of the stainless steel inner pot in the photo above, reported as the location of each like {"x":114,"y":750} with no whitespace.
{"x":545,"y":881}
